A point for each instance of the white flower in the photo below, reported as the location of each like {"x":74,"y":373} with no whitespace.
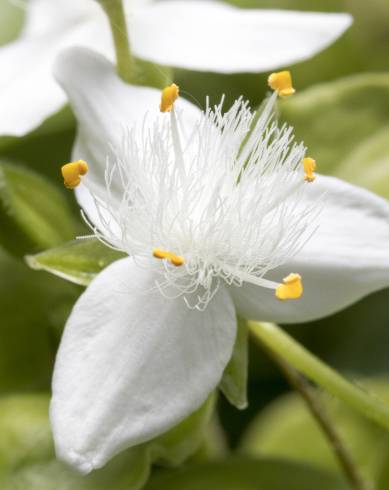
{"x":200,"y":35}
{"x":230,"y":216}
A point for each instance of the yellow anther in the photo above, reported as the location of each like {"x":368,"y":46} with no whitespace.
{"x":282,"y":83}
{"x":174,"y":259}
{"x":309,"y":168}
{"x":168,"y":97}
{"x":292,"y":287}
{"x":160,"y":254}
{"x":71,"y":173}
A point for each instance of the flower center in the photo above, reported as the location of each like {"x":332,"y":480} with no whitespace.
{"x":223,"y":190}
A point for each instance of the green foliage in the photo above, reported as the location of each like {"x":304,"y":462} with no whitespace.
{"x":214,"y":444}
{"x":176,"y":445}
{"x":234,"y":381}
{"x":46,"y":148}
{"x":31,"y":210}
{"x":333,"y":118}
{"x":152,"y":75}
{"x":368,"y":164}
{"x":286,"y":429}
{"x":33,"y":307}
{"x":383,"y":478}
{"x":25,"y":433}
{"x":77,"y":261}
{"x":345,"y":126}
{"x":11,"y":20}
{"x":27,"y":457}
{"x":247,"y":474}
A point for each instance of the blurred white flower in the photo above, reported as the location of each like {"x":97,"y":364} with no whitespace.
{"x":199,"y":35}
{"x":213,"y":219}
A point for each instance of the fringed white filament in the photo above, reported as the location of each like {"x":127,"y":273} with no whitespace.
{"x":225,"y":195}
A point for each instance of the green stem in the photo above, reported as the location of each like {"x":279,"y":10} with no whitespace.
{"x":117,"y":20}
{"x":309,"y":395}
{"x":313,"y":368}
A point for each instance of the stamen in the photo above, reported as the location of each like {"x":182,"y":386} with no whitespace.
{"x":281,"y":82}
{"x":168,"y":97}
{"x":230,"y":216}
{"x":309,"y":168}
{"x":292,"y":287}
{"x":71,"y":173}
{"x":171,"y":257}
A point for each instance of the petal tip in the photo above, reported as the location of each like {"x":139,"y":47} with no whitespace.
{"x":63,"y":449}
{"x":243,"y":405}
{"x":77,"y":461}
{"x":347,"y":19}
{"x":342,"y":23}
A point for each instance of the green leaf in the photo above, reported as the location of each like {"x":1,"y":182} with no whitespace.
{"x":383,"y":479}
{"x":33,"y":213}
{"x":336,"y":121}
{"x":25,"y":433}
{"x":152,"y":75}
{"x":46,"y":148}
{"x":246,"y":474}
{"x":276,"y":432}
{"x":174,"y":447}
{"x":214,"y":445}
{"x":11,"y":20}
{"x":77,"y":261}
{"x":33,"y":306}
{"x":368,"y":164}
{"x":234,"y":381}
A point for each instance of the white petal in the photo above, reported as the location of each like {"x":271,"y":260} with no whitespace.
{"x":28,"y":91}
{"x":131,"y":5}
{"x":132,"y":364}
{"x":345,"y":260}
{"x":211,"y":36}
{"x":47,"y":16}
{"x":28,"y":94}
{"x":105,"y":106}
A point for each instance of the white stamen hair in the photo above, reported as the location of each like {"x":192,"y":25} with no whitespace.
{"x":224,"y":194}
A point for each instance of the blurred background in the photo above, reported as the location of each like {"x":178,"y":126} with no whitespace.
{"x":344,"y":90}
